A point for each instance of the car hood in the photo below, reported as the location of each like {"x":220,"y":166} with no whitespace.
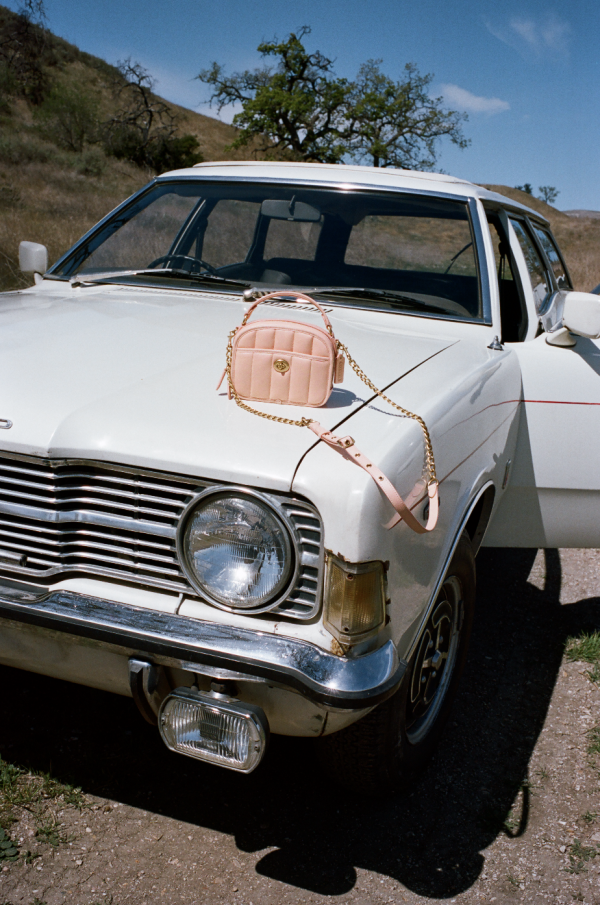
{"x":127,"y":375}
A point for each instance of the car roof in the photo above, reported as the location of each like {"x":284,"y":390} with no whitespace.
{"x":351,"y":175}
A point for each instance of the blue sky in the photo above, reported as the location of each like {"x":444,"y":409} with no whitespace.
{"x":527,"y":73}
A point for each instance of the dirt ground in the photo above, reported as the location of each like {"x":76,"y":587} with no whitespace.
{"x":508,"y":811}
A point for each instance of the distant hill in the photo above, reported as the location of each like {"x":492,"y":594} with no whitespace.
{"x":590,"y":215}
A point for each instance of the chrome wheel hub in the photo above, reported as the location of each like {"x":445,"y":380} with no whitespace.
{"x":434,"y":661}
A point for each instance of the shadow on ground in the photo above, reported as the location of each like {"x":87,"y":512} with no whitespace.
{"x":430,"y":839}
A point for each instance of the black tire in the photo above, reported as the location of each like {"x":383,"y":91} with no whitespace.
{"x":396,"y":740}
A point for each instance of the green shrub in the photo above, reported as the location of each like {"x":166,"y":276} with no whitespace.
{"x":68,"y":116}
{"x":91,"y":162}
{"x":20,"y":148}
{"x":125,"y":142}
{"x":159,"y":152}
{"x":175,"y":153}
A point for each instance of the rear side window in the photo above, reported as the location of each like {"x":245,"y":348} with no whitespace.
{"x":551,"y":252}
{"x":535,"y":265}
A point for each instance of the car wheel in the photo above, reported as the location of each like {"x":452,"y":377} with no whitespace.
{"x":396,"y":739}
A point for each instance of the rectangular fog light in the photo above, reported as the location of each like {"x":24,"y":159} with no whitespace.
{"x":214,"y":728}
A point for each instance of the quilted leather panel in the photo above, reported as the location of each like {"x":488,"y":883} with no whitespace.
{"x":309,"y":352}
{"x":274,"y":335}
{"x":307,"y":382}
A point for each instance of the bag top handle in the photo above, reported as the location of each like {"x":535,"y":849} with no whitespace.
{"x":292,"y":296}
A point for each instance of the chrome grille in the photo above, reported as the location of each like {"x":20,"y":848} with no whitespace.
{"x":60,"y":517}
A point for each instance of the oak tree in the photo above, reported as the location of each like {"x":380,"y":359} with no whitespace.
{"x":301,"y":110}
{"x":398,"y":124}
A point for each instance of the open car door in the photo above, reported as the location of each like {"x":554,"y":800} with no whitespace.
{"x":552,"y":493}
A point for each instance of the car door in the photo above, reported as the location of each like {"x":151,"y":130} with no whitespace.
{"x":552,"y":492}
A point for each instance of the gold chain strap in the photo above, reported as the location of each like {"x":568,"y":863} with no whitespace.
{"x":304,"y":422}
{"x":429,"y":459}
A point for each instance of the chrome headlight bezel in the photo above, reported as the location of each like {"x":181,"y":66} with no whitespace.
{"x":273,"y":508}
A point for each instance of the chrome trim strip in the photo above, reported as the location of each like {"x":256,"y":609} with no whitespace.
{"x":83,"y":516}
{"x":60,"y":461}
{"x":347,"y":684}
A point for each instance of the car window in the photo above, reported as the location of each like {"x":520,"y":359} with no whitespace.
{"x":146,"y":236}
{"x":229,"y":231}
{"x":413,"y":243}
{"x":393,"y":251}
{"x":535,"y":266}
{"x":551,"y":251}
{"x":503,"y":266}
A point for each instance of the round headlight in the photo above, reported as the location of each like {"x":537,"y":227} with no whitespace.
{"x":236,"y":550}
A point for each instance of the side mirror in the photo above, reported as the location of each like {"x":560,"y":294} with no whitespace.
{"x":581,"y":314}
{"x":33,"y":258}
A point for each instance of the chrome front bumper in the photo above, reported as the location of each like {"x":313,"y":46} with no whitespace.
{"x":340,"y":682}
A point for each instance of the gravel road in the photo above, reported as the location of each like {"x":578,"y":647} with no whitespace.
{"x":506,"y":812}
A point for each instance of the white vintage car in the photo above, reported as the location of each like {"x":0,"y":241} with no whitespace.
{"x":233,"y":574}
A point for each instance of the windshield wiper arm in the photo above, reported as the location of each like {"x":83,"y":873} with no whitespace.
{"x":164,"y":272}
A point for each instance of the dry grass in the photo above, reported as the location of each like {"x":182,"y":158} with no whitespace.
{"x":54,"y":205}
{"x":47,"y":197}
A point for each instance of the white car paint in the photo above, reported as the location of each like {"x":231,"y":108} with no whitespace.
{"x":553,"y":499}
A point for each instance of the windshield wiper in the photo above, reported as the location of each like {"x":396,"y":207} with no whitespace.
{"x":171,"y":272}
{"x":386,"y":295}
{"x":196,"y":277}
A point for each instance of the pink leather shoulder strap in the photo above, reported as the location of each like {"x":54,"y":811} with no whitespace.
{"x":345,"y":446}
{"x":292,"y":296}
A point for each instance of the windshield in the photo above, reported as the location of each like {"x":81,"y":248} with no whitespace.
{"x":388,"y":250}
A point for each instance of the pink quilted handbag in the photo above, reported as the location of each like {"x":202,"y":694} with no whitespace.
{"x":285,"y":361}
{"x":297,"y":364}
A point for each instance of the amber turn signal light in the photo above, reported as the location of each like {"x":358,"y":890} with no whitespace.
{"x":354,"y":599}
